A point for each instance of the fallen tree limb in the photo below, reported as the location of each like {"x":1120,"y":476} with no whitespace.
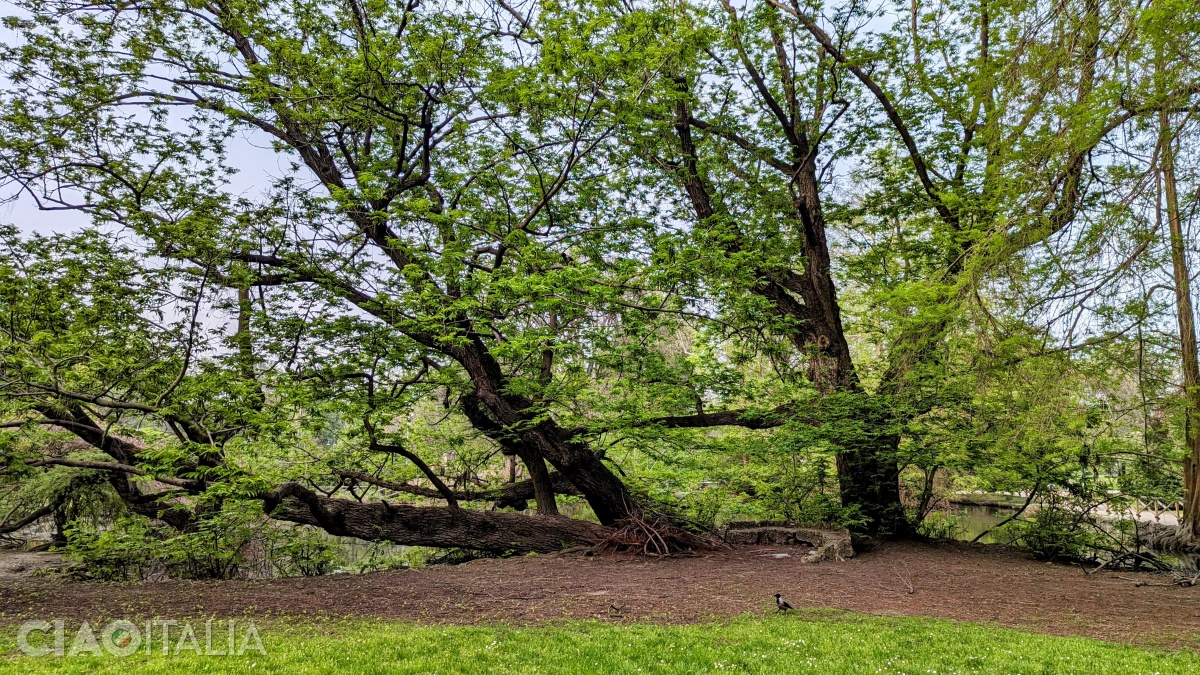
{"x":1177,"y":580}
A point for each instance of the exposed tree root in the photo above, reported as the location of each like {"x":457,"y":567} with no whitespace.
{"x":652,"y":534}
{"x":1171,"y":538}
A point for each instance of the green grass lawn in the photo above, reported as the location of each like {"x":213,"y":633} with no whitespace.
{"x":809,"y":642}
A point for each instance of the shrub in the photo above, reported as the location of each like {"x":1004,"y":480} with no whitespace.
{"x":122,"y":552}
{"x":1054,"y":532}
{"x":230,"y":543}
{"x":303,"y":551}
{"x":940,"y":525}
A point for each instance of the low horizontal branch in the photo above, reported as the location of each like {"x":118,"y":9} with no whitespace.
{"x":441,"y":527}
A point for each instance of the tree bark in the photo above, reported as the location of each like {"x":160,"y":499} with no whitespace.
{"x":430,"y":526}
{"x":532,"y":435}
{"x":543,"y":487}
{"x":868,"y":474}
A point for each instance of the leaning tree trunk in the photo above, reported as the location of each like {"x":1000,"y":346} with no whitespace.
{"x":1190,"y":523}
{"x":867,"y":475}
{"x":537,"y":437}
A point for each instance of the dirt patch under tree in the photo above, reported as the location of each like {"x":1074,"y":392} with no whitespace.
{"x":948,"y":580}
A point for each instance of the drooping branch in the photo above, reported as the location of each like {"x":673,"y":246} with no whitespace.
{"x":185,"y":483}
{"x":33,"y":517}
{"x":126,"y":453}
{"x":443,"y":491}
{"x":74,"y":419}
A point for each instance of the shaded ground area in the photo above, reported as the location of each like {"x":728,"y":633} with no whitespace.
{"x":948,"y":580}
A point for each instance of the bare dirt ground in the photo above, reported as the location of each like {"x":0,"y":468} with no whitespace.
{"x":17,"y":564}
{"x":948,"y":580}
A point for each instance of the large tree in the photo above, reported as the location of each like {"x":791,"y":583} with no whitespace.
{"x":430,"y":234}
{"x":486,"y":224}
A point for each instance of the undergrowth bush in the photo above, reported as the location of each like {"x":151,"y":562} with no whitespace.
{"x":234,"y":542}
{"x":1053,"y":532}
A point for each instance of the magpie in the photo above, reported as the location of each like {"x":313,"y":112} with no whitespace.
{"x":781,"y":605}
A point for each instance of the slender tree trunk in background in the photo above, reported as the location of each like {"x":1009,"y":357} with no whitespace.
{"x":1190,"y":524}
{"x":543,"y":489}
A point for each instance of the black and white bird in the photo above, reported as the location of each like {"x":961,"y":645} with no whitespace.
{"x":781,"y":605}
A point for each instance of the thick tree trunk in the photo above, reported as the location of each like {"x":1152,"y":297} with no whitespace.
{"x":430,"y":526}
{"x":608,"y":496}
{"x":1190,"y":523}
{"x":869,"y":480}
{"x":868,"y":475}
